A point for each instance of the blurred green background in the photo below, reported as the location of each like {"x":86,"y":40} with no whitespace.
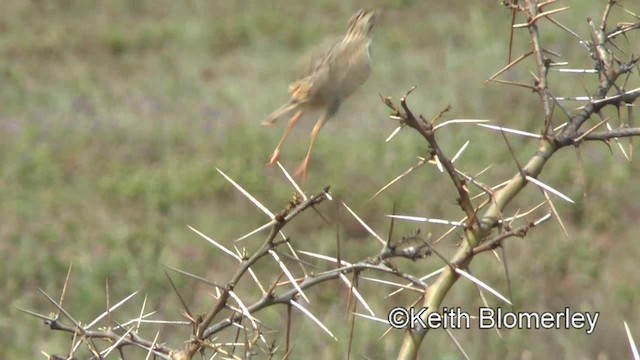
{"x":115,"y":114}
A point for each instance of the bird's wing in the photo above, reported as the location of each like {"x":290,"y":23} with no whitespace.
{"x":351,"y":66}
{"x":316,"y":86}
{"x":312,"y":58}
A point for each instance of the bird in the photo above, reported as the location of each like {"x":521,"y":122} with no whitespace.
{"x":327,"y":79}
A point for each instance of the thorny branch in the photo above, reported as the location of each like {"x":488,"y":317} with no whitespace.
{"x":204,"y":330}
{"x":477,"y":239}
{"x":484,"y":226}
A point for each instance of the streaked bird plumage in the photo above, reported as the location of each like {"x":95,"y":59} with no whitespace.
{"x":327,"y":80}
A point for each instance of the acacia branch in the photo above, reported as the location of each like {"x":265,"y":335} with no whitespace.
{"x":548,"y":145}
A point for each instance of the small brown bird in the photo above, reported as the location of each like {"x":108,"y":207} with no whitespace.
{"x":327,"y":81}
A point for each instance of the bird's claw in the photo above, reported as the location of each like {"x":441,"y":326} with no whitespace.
{"x":274,"y":158}
{"x":268,"y":123}
{"x":301,"y":171}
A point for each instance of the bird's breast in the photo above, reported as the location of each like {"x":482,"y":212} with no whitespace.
{"x":357,"y":70}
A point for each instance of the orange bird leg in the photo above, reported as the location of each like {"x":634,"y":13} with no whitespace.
{"x":301,"y":172}
{"x":279,"y":112}
{"x":292,"y":123}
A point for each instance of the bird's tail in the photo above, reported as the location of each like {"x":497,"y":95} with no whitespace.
{"x":284,"y":109}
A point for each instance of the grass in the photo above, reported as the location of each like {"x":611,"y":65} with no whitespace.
{"x":114,"y":116}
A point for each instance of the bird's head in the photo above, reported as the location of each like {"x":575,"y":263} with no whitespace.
{"x":361,"y":24}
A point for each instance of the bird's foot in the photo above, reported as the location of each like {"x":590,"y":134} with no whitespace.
{"x":268,"y":122}
{"x":274,"y":158}
{"x":301,"y":171}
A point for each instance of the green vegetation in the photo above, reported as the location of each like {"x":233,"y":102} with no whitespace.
{"x":115,"y":114}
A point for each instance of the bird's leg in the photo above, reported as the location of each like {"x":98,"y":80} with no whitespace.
{"x":271,"y":119}
{"x":292,"y":123}
{"x":301,"y":172}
